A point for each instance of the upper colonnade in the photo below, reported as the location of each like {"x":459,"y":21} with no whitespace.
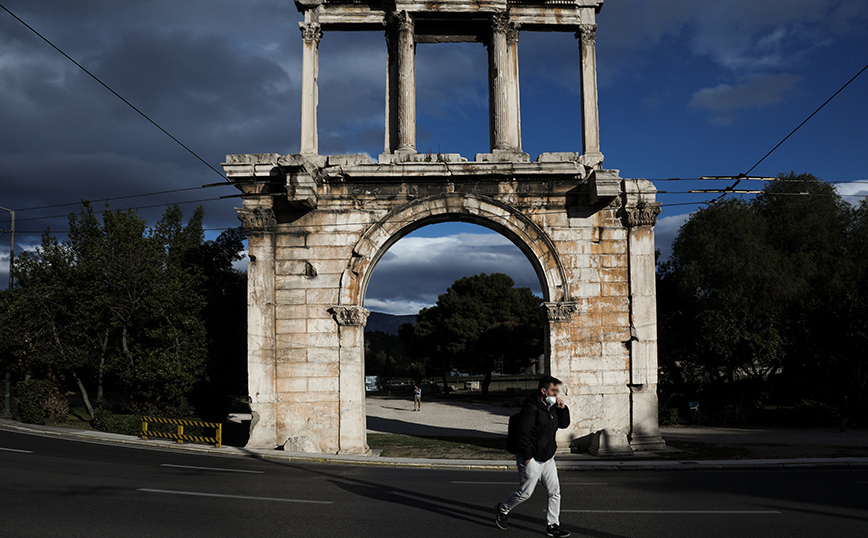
{"x":496,"y":24}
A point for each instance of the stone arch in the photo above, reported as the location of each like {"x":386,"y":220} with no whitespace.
{"x":474,"y":209}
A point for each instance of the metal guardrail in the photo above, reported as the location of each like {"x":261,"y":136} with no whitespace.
{"x":181,"y":436}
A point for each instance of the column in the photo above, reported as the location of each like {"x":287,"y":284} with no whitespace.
{"x":391,"y":143}
{"x":498,"y":83}
{"x":258,"y":220}
{"x":644,"y":427}
{"x":406,"y":83}
{"x":513,"y":106}
{"x":311,"y":33}
{"x":352,"y":432}
{"x":590,"y":113}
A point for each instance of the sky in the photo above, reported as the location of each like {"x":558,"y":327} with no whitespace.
{"x":686,"y":89}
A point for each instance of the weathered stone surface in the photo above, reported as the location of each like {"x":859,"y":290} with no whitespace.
{"x":318,"y":225}
{"x":610,"y":443}
{"x":301,"y":444}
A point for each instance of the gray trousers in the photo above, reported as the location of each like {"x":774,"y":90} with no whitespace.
{"x":529,"y":475}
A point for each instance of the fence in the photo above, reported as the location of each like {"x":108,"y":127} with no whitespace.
{"x":181,"y":436}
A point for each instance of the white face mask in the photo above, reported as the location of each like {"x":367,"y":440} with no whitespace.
{"x":551,"y":400}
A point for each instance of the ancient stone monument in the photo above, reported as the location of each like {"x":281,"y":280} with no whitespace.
{"x":318,"y":225}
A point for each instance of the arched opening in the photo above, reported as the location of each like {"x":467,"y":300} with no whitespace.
{"x":465,"y":412}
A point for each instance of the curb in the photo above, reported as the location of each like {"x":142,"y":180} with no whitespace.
{"x":467,"y":465}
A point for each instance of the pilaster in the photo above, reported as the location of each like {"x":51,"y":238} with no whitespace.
{"x":311,"y":33}
{"x":587,"y":36}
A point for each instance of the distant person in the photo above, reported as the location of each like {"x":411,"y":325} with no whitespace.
{"x":417,"y":398}
{"x":534,"y":441}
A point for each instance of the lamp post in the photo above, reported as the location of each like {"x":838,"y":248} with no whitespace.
{"x":7,"y":388}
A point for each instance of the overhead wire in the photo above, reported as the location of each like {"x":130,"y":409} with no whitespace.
{"x":116,"y":94}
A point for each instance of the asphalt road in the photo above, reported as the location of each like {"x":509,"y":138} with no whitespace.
{"x":52,"y":487}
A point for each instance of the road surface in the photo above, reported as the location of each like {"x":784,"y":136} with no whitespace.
{"x":53,"y":487}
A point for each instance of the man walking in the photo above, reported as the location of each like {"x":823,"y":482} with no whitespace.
{"x":534,"y":441}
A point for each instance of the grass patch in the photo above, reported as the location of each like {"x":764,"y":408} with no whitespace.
{"x":710,"y":451}
{"x":407,"y":446}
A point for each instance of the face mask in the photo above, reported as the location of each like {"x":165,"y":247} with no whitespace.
{"x":551,"y":400}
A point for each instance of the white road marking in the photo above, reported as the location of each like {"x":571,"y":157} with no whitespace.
{"x":761,"y":512}
{"x":210,"y":468}
{"x":515,"y":483}
{"x":222,"y":496}
{"x":16,"y":450}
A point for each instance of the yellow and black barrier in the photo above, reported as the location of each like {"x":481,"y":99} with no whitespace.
{"x":181,"y":436}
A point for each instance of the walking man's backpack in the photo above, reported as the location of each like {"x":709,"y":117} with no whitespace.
{"x":512,"y":433}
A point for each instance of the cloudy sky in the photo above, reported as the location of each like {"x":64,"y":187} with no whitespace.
{"x":687,"y":88}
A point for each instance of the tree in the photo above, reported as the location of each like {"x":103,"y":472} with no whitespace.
{"x":480,"y":319}
{"x":115,"y":300}
{"x":765,"y":297}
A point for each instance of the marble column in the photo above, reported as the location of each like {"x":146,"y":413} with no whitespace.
{"x":644,"y":429}
{"x":259,"y":223}
{"x":498,"y":83}
{"x":406,"y":83}
{"x":352,"y":431}
{"x":311,"y":34}
{"x":590,"y":111}
{"x":513,"y":104}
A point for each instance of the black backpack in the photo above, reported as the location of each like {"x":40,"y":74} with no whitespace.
{"x":512,"y":433}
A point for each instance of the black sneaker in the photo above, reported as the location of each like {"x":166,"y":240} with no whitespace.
{"x":556,"y":530}
{"x":500,"y":518}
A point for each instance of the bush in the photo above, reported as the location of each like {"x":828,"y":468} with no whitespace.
{"x":31,"y":397}
{"x":57,"y":408}
{"x":106,"y":421}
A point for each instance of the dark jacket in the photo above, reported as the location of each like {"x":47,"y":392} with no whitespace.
{"x":537,"y":427}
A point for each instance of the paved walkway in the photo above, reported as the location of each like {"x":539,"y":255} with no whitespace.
{"x":437,"y":418}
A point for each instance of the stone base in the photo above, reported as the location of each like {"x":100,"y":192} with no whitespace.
{"x":646,"y":443}
{"x":414,"y":157}
{"x":301,"y":444}
{"x":610,"y":443}
{"x":506,"y":156}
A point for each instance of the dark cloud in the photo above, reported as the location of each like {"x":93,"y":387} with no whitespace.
{"x":417,"y":269}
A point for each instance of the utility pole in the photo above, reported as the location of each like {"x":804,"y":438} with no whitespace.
{"x":7,"y":385}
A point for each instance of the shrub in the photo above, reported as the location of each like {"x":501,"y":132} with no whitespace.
{"x":106,"y":421}
{"x":56,"y":407}
{"x":31,"y":396}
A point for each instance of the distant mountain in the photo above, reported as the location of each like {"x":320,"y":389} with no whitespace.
{"x":387,"y":323}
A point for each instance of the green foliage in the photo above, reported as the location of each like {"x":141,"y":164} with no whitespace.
{"x":31,"y":397}
{"x":480,"y":319}
{"x":385,"y":356}
{"x":125,"y":424}
{"x":765,"y":300}
{"x":125,"y":308}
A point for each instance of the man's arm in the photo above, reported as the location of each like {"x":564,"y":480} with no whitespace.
{"x":563,"y":416}
{"x":525,"y":431}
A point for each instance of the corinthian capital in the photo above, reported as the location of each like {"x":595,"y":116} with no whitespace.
{"x":642,"y":214}
{"x":257,"y":219}
{"x":562,"y":311}
{"x":587,"y":34}
{"x":350,"y":315}
{"x":310,"y":31}
{"x":405,"y":21}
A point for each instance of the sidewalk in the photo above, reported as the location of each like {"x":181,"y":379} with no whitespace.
{"x":576,"y":462}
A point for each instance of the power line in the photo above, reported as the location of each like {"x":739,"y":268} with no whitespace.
{"x":138,"y":207}
{"x":116,"y":94}
{"x":129,"y":196}
{"x":807,"y":119}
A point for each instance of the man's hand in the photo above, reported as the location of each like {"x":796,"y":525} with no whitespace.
{"x":526,"y":463}
{"x":560,"y":403}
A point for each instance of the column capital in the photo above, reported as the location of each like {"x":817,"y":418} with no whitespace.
{"x":352,"y":315}
{"x":642,"y":214}
{"x":257,"y":220}
{"x":587,"y":34}
{"x":405,"y":21}
{"x":512,"y":33}
{"x":310,"y":31}
{"x":560,"y":311}
{"x":500,"y":22}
